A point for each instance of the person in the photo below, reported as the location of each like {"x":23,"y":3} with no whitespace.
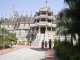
{"x":50,"y":44}
{"x":42,"y":44}
{"x":30,"y":42}
{"x":45,"y":44}
{"x":11,"y":44}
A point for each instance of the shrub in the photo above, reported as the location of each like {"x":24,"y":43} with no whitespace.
{"x":66,"y":51}
{"x":21,"y":43}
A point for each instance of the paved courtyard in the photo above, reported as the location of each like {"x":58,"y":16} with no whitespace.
{"x":24,"y":54}
{"x":27,"y":53}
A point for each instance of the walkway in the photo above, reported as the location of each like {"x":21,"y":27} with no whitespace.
{"x":27,"y":53}
{"x":51,"y":55}
{"x":16,"y":47}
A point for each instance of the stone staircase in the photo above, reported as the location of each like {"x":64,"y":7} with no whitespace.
{"x":38,"y":39}
{"x":41,"y":38}
{"x":35,"y":41}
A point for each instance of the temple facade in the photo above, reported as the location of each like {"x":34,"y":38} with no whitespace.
{"x":38,"y":28}
{"x":44,"y":26}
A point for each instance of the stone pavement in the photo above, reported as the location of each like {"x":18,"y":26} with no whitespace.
{"x":32,"y":53}
{"x":47,"y":54}
{"x":51,"y":55}
{"x":16,"y":47}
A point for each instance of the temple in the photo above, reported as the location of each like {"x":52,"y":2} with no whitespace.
{"x":44,"y":26}
{"x":40,"y":27}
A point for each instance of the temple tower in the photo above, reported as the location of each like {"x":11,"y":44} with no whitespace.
{"x":44,"y":25}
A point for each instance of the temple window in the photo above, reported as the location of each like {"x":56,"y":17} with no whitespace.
{"x":37,"y":20}
{"x":43,"y":19}
{"x":49,"y":28}
{"x":38,"y":14}
{"x":32,"y":28}
{"x":43,"y":13}
{"x":37,"y":28}
{"x":49,"y":20}
{"x":49,"y":14}
{"x":53,"y":29}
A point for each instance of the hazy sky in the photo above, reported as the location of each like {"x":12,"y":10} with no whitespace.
{"x":6,"y":6}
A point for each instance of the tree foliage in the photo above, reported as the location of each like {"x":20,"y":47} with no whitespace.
{"x":7,"y":37}
{"x":74,"y":14}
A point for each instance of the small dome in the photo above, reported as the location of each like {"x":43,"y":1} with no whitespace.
{"x":45,"y":8}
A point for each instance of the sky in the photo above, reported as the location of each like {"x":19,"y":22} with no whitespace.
{"x":26,"y":6}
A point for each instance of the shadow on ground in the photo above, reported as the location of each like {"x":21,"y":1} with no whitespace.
{"x":39,"y":49}
{"x":42,"y":59}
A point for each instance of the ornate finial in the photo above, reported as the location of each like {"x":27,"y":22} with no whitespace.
{"x":13,"y":8}
{"x":46,"y":1}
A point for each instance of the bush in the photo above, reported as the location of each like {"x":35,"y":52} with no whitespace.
{"x":66,"y":51}
{"x":22,"y":43}
{"x":6,"y":46}
{"x":1,"y":47}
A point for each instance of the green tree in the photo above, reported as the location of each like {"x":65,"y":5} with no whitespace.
{"x":63,"y":22}
{"x":74,"y":14}
{"x":8,"y":37}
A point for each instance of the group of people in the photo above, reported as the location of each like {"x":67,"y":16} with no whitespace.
{"x":45,"y":43}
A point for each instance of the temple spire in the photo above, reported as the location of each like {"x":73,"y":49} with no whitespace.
{"x":13,"y":8}
{"x":46,"y":2}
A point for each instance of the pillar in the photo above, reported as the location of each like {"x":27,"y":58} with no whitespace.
{"x":51,"y":21}
{"x":40,"y":20}
{"x":51,"y":28}
{"x":39,"y":30}
{"x":46,"y":16}
{"x":46,"y":34}
{"x":30,"y":29}
{"x":35,"y":29}
{"x":40,"y":13}
{"x":46,"y":29}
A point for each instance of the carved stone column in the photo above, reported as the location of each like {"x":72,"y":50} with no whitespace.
{"x":51,"y":28}
{"x":39,"y":29}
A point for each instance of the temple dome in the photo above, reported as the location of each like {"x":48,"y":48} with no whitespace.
{"x":45,"y":8}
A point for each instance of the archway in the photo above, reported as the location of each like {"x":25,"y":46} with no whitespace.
{"x":43,"y":30}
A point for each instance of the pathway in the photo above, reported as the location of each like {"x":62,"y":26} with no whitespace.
{"x":27,"y":53}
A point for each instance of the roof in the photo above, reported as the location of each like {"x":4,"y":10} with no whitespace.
{"x":45,"y":8}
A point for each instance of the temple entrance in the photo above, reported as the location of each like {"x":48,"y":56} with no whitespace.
{"x":42,"y":29}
